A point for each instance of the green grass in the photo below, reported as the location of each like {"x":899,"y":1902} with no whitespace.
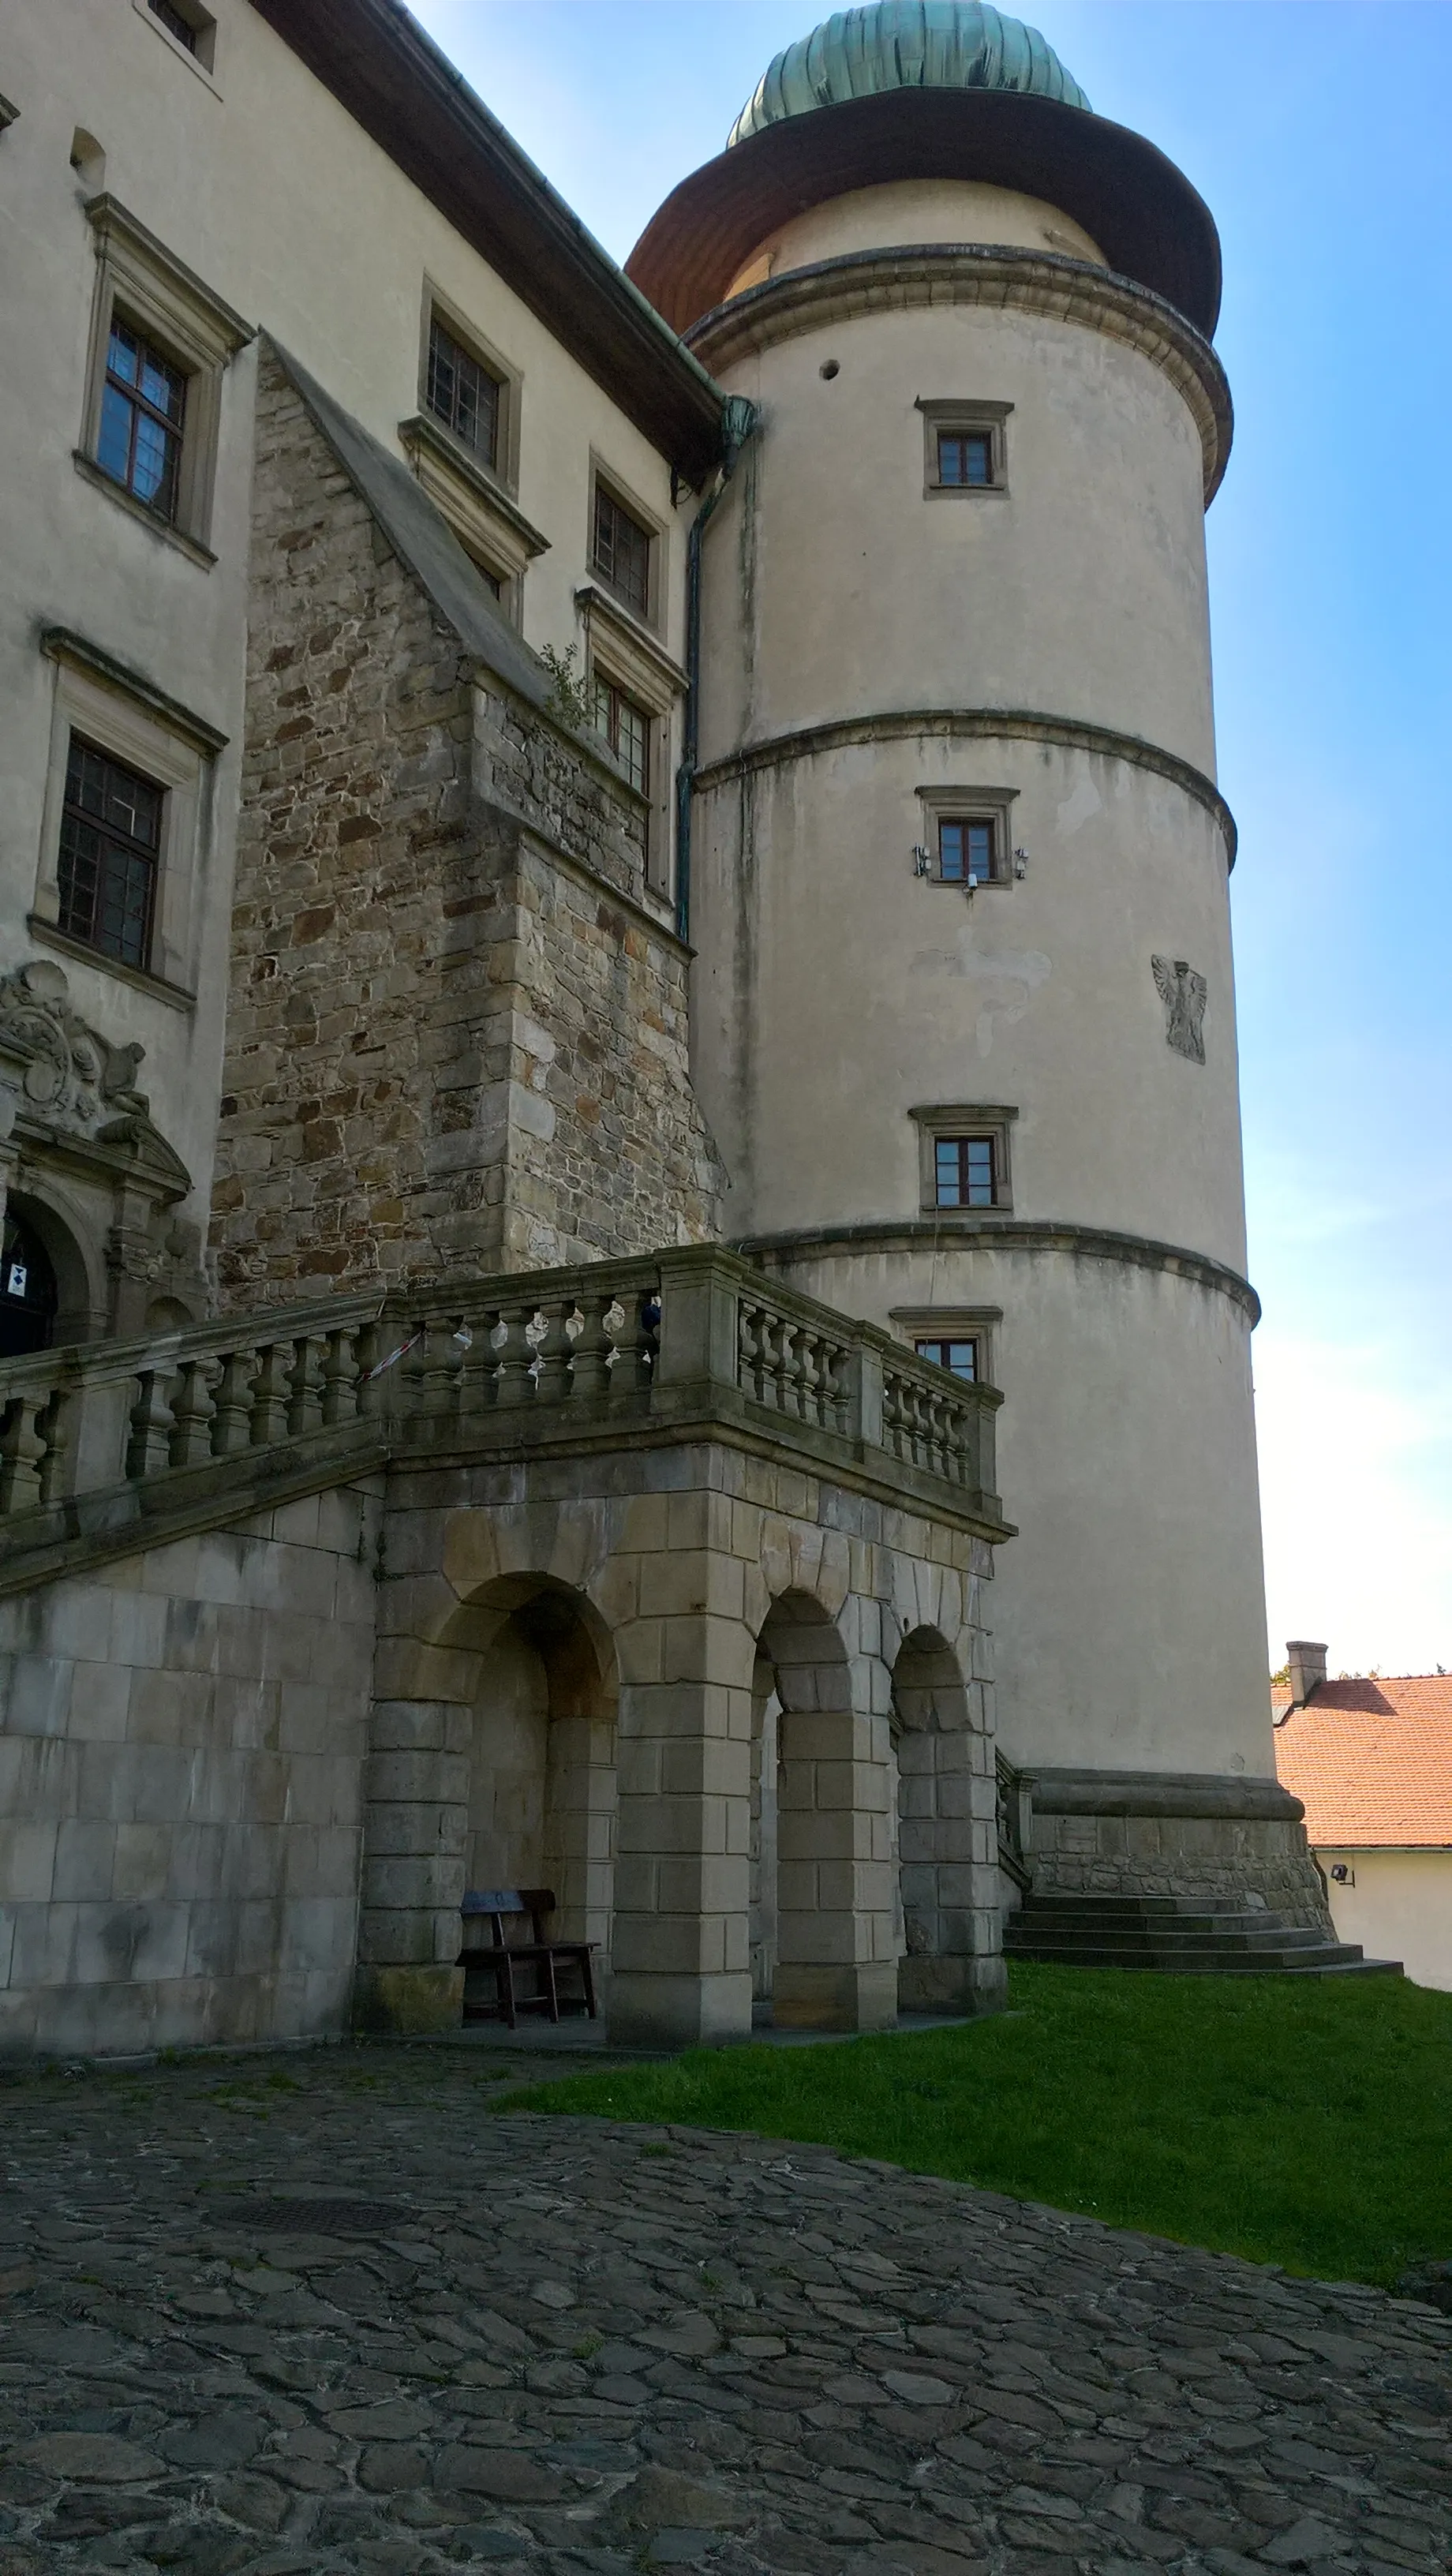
{"x":1306,"y":2122}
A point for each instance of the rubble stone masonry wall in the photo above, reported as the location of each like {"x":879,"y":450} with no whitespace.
{"x":456,"y":1039}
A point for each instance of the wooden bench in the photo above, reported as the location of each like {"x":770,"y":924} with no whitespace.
{"x":499,"y":1908}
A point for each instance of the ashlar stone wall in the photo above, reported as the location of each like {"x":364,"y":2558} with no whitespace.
{"x":182,"y":1739}
{"x":456,"y":1033}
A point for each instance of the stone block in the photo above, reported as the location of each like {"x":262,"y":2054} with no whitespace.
{"x":671,"y":2011}
{"x":84,"y":1860}
{"x":75,"y":1620}
{"x":39,"y":1696}
{"x":27,"y":1859}
{"x":847,"y":1996}
{"x":100,"y":1698}
{"x":404,"y":2000}
{"x":140,"y":1865}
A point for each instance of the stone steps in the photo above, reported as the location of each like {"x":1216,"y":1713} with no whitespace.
{"x":1179,"y":1936}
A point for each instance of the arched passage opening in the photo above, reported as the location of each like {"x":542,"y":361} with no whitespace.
{"x":45,"y":1291}
{"x":541,"y":1758}
{"x":948,"y":1940}
{"x":821,"y":1926}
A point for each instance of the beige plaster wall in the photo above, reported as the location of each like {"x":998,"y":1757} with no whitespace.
{"x":1128,"y":1614}
{"x":182,"y":1740}
{"x":834,"y":584}
{"x":1400,"y":1907}
{"x":261,"y":183}
{"x":835,"y":991}
{"x":917,"y":210}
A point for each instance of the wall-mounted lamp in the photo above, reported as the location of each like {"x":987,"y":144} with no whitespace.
{"x":1020,"y":863}
{"x":922,"y":861}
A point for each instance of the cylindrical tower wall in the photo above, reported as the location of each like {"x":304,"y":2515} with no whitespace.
{"x":878,"y":650}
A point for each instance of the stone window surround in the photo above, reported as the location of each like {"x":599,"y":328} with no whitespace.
{"x":204,"y":60}
{"x":504,"y":473}
{"x":656,"y":530}
{"x":969,"y":804}
{"x":626,"y":653}
{"x":119,"y":711}
{"x":137,"y":275}
{"x":487,"y":522}
{"x":949,"y":412}
{"x":977,"y":1324}
{"x":963,"y":1118}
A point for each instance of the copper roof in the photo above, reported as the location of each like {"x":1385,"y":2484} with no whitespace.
{"x":1371,"y":1760}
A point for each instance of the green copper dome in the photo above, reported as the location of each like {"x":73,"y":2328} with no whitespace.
{"x":906,"y":44}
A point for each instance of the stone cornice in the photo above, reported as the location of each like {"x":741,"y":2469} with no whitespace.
{"x":999,"y":276}
{"x":1015,"y":724}
{"x":1001,"y":1234}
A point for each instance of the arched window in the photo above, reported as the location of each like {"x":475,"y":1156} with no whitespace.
{"x":28,"y":1292}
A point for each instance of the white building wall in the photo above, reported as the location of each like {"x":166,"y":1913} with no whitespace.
{"x":1397,"y":1904}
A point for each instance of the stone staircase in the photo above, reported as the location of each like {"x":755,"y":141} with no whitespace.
{"x":1183,"y":1936}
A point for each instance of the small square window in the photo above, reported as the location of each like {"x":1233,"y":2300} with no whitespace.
{"x":143,"y":416}
{"x":110,"y":844}
{"x":965,"y":456}
{"x":961,"y":1357}
{"x":965,"y":445}
{"x":963,"y":1163}
{"x":621,"y":550}
{"x":965,"y":1171}
{"x":967,"y":849}
{"x":463,"y":394}
{"x":626,"y":728}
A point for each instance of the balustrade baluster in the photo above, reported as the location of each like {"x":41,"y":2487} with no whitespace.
{"x":270,"y":1395}
{"x":810,"y":1378}
{"x":53,"y":1429}
{"x":748,"y":1348}
{"x":305,"y":1386}
{"x":639,"y":1340}
{"x":514,"y":1383}
{"x":554,"y":1375}
{"x":593,"y":1348}
{"x":232,"y":1417}
{"x":838,"y":1389}
{"x":442,"y":1355}
{"x":193,"y":1414}
{"x":479,"y":1362}
{"x":149,"y":1447}
{"x":340,"y":1376}
{"x":374,"y":1344}
{"x":22,"y":1452}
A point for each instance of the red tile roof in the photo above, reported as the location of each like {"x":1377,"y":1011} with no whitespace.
{"x":1370,"y":1760}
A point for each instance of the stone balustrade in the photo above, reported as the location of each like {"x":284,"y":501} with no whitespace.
{"x":185,"y":1427}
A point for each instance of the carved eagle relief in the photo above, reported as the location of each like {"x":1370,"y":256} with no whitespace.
{"x":1183,"y":993}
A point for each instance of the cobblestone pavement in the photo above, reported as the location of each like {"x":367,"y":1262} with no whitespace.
{"x":557,"y":2345}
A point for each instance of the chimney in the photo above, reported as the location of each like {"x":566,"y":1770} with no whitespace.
{"x":1308,"y":1669}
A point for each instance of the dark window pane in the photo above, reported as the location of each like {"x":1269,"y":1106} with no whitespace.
{"x":175,"y":24}
{"x":980,"y":851}
{"x":960,"y":1357}
{"x":965,"y":1171}
{"x":965,"y":456}
{"x":622,"y":551}
{"x":143,"y":402}
{"x":463,"y":394}
{"x":626,"y":728}
{"x":110,"y":834}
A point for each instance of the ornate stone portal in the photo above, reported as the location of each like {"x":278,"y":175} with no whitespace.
{"x":95,"y":1178}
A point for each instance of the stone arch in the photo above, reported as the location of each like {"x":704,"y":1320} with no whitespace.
{"x":504,"y":1774}
{"x":944,"y":1801}
{"x":541,"y":1752}
{"x":834,"y":1965}
{"x":80,"y":1286}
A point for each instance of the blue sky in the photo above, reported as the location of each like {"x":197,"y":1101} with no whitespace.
{"x":1317,"y":130}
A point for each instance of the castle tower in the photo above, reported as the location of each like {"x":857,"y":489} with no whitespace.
{"x":964,"y":1007}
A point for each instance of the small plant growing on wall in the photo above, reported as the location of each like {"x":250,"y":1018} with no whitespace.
{"x":571,"y":700}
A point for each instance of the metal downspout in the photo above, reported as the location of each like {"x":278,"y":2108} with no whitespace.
{"x":738,"y":423}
